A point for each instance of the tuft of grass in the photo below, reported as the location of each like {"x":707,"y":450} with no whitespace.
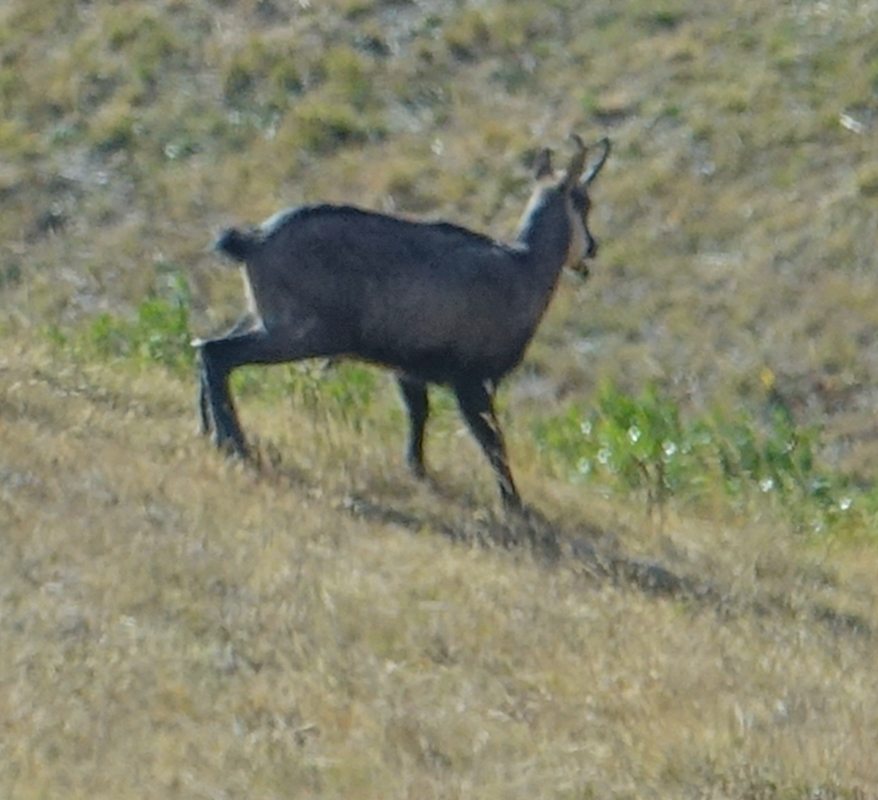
{"x":322,"y":125}
{"x":17,"y":142}
{"x":113,"y":129}
{"x":468,"y":34}
{"x":347,"y":77}
{"x":145,"y":39}
{"x":867,"y":181}
{"x":261,"y":74}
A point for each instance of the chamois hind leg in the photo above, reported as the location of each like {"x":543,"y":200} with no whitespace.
{"x":414,"y":393}
{"x":477,"y":406}
{"x":205,"y":421}
{"x":218,"y":357}
{"x":246,"y":323}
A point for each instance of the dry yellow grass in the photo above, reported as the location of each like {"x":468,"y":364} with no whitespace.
{"x":175,"y":625}
{"x":178,"y":625}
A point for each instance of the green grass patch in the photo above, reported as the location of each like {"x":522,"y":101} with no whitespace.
{"x":332,"y":393}
{"x":158,"y":333}
{"x":645,"y":444}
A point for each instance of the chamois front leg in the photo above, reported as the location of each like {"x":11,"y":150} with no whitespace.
{"x":414,"y":393}
{"x":477,"y":406}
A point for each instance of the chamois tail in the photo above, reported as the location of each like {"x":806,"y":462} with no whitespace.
{"x":235,"y":244}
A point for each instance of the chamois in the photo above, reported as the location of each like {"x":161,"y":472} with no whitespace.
{"x":433,"y":301}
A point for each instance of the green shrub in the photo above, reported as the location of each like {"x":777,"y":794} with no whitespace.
{"x":158,"y":333}
{"x":637,"y":443}
{"x":644,"y":444}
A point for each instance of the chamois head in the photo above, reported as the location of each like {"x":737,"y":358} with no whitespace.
{"x":574,"y":185}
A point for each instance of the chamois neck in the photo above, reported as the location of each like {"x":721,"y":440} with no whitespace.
{"x":544,"y":231}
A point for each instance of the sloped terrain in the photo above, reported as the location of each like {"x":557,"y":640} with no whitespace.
{"x":176,"y":625}
{"x":316,"y":623}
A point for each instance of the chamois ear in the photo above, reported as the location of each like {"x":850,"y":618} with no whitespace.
{"x":543,"y":164}
{"x":577,"y":163}
{"x":595,"y":168}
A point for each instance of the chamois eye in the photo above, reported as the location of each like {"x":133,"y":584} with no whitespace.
{"x":580,"y":202}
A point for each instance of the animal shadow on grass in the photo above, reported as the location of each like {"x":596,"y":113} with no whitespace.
{"x":522,"y":529}
{"x":589,"y":548}
{"x":525,"y":529}
{"x":594,"y":551}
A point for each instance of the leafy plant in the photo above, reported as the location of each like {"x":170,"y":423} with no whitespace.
{"x":636,"y":441}
{"x":643,"y":443}
{"x":158,"y":333}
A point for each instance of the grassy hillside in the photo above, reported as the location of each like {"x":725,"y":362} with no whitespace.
{"x":688,"y":611}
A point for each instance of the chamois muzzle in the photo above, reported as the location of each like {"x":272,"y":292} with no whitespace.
{"x":591,"y":250}
{"x":582,"y":269}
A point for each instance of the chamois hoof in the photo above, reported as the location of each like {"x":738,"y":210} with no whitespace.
{"x":418,"y":470}
{"x":232,"y":447}
{"x":514,"y":506}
